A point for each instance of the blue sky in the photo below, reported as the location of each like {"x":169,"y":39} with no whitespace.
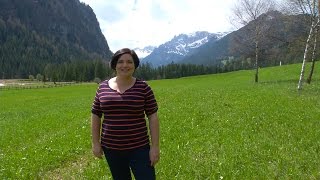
{"x":139,"y":23}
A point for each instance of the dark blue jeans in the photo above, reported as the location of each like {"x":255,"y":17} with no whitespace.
{"x":120,"y":163}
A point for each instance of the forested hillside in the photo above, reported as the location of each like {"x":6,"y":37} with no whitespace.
{"x":39,"y":33}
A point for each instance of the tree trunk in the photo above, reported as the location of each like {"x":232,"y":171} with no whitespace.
{"x":314,"y":51}
{"x":257,"y":66}
{"x":305,"y":57}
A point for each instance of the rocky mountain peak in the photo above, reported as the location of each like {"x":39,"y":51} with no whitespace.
{"x":180,"y":46}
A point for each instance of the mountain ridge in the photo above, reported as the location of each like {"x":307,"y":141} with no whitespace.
{"x":284,"y":41}
{"x":179,"y":46}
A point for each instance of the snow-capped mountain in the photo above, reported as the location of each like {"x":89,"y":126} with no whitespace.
{"x":179,"y":47}
{"x":143,"y":52}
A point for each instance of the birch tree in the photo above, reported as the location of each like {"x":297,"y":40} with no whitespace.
{"x":309,"y":7}
{"x":246,"y":11}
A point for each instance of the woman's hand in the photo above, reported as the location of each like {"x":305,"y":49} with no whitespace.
{"x":97,"y":150}
{"x":95,"y":130}
{"x":154,"y":155}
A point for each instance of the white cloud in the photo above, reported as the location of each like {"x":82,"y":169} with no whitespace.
{"x":139,"y":23}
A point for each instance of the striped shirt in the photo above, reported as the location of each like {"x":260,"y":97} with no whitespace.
{"x":124,"y":125}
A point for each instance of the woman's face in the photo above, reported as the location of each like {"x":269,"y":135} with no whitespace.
{"x":125,"y":65}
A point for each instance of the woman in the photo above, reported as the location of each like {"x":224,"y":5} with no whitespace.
{"x":125,"y":101}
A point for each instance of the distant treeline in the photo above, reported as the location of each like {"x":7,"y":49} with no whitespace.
{"x":86,"y":71}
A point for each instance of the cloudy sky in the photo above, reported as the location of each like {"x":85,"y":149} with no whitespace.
{"x":139,"y":23}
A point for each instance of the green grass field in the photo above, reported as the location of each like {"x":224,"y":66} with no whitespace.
{"x":221,"y":126}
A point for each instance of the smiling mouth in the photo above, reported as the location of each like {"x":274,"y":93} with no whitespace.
{"x":125,"y":70}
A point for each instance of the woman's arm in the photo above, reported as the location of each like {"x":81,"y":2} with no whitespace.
{"x":95,"y":130}
{"x":154,"y":132}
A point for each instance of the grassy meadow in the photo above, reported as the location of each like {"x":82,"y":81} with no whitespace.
{"x":221,"y":126}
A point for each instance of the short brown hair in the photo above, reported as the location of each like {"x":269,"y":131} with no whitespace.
{"x":121,"y":52}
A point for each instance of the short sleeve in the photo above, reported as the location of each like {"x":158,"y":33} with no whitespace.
{"x":150,"y":105}
{"x":96,"y":108}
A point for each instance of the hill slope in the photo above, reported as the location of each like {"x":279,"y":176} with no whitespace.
{"x":284,"y":41}
{"x":34,"y":33}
